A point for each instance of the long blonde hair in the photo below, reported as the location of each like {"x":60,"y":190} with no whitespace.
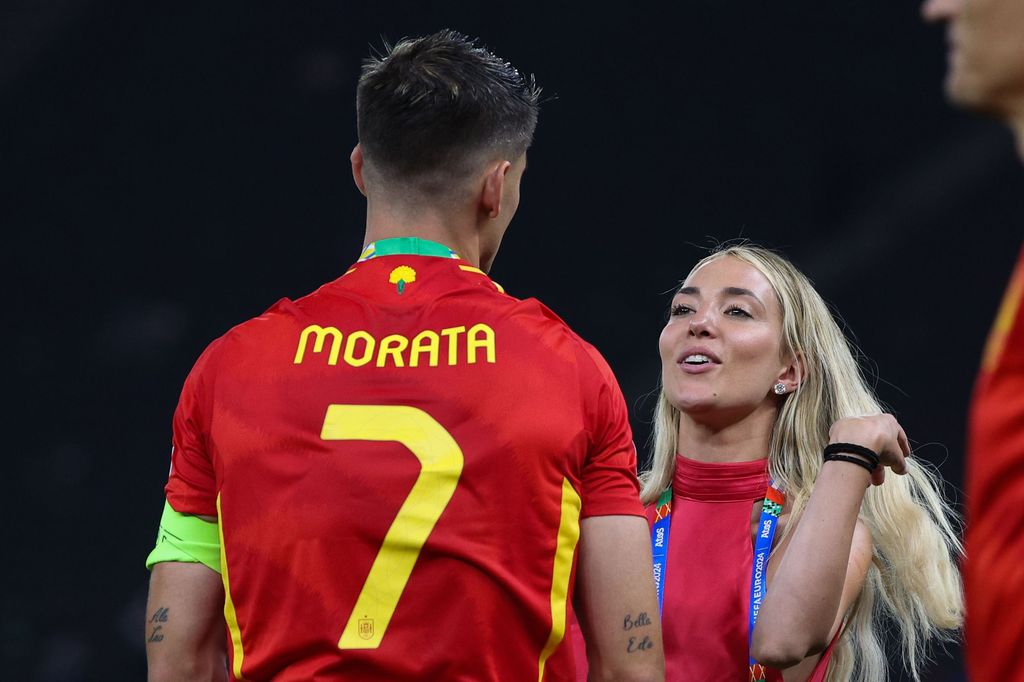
{"x":913,"y":581}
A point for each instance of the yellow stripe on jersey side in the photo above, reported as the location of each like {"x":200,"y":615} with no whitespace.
{"x":1008,"y":311}
{"x":470,"y":268}
{"x":568,"y":536}
{"x":229,"y":606}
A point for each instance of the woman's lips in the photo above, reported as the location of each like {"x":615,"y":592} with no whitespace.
{"x":698,"y":368}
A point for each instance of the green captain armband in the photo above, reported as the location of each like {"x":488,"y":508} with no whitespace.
{"x":186,"y":538}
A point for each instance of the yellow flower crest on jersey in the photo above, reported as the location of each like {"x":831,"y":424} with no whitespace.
{"x":401,"y":276}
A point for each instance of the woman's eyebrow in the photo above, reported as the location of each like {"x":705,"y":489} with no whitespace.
{"x":728,"y":291}
{"x":740,"y":291}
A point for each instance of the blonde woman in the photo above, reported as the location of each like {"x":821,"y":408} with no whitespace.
{"x":770,"y":499}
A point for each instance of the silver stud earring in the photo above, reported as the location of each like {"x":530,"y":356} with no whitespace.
{"x":779,"y":388}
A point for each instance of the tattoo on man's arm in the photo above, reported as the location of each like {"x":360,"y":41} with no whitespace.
{"x":157,"y":620}
{"x":637,"y":643}
{"x":641,"y":621}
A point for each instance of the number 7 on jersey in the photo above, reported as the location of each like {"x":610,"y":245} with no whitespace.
{"x":441,"y":464}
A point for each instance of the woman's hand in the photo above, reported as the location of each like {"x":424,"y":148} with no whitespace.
{"x":879,"y":432}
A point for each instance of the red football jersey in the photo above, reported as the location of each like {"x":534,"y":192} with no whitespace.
{"x":994,"y":567}
{"x":400,"y":462}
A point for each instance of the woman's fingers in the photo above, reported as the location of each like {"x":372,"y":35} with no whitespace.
{"x":903,"y":441}
{"x":898,"y":449}
{"x":898,"y":465}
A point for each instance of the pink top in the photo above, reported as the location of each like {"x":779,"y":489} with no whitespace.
{"x":707,"y":576}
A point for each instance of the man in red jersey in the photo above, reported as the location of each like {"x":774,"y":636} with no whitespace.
{"x":986,"y":73}
{"x":389,"y":478}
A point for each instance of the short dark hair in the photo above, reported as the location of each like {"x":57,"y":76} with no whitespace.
{"x":430,"y":107}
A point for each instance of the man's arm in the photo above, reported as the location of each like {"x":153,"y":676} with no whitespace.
{"x":617,"y":603}
{"x":185,"y":633}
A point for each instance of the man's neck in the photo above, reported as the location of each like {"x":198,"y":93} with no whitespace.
{"x":384,"y":222}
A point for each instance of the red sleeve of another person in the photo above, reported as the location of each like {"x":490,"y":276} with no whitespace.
{"x":994,"y":567}
{"x":192,"y":486}
{"x":609,"y":475}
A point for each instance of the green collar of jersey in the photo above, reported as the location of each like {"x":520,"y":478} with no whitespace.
{"x":406,"y":246}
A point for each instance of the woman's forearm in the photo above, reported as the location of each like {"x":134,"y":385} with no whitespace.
{"x":805,"y":592}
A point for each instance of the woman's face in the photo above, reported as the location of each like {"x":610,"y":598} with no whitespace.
{"x":721,"y":348}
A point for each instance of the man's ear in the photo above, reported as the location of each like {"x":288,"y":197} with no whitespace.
{"x":357,"y":168}
{"x":794,"y":373}
{"x":494,"y":186}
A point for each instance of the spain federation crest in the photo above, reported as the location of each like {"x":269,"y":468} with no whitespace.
{"x":366,"y":628}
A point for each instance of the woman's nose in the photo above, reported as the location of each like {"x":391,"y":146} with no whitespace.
{"x":701,"y":323}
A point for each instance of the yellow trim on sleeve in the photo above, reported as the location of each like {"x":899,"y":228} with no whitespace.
{"x":568,"y":536}
{"x":187,"y":539}
{"x":229,"y":606}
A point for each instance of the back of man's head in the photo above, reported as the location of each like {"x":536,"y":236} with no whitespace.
{"x":434,"y":110}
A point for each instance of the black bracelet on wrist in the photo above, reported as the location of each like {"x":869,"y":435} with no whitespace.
{"x":852,"y":460}
{"x":833,"y":449}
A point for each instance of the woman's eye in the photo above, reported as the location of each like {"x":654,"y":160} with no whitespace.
{"x":737,"y":312}
{"x":680,"y":309}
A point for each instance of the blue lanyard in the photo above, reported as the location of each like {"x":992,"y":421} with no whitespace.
{"x":659,"y":543}
{"x":770,"y":510}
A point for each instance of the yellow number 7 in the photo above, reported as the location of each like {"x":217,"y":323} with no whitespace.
{"x":441,"y":466}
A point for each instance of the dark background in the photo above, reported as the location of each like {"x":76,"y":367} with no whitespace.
{"x":169,"y":172}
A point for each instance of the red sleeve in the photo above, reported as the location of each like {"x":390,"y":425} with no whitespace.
{"x":192,"y":486}
{"x":993,"y":577}
{"x":610,"y":484}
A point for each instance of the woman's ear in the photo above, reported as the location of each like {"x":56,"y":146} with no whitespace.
{"x":794,"y":372}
